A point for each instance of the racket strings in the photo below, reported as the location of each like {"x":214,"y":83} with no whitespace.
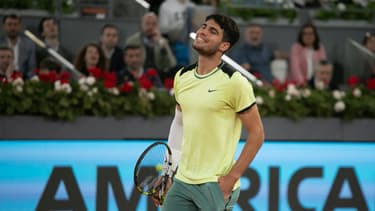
{"x":151,"y":167}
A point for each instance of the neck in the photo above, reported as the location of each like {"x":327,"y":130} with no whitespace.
{"x":136,"y":72}
{"x":52,"y":41}
{"x":206,"y":64}
{"x":91,"y":66}
{"x":107,"y":50}
{"x":13,"y":40}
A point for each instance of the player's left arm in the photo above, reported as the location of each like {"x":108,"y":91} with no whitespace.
{"x":252,"y":122}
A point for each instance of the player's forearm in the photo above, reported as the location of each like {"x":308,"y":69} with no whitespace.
{"x":175,"y":137}
{"x":253,"y":143}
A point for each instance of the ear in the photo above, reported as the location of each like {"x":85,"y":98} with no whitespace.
{"x":224,"y":46}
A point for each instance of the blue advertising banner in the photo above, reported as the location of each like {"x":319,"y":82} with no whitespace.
{"x":98,"y":175}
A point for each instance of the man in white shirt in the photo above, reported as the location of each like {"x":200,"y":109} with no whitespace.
{"x":175,"y":18}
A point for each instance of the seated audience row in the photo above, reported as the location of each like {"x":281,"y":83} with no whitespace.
{"x":156,"y":48}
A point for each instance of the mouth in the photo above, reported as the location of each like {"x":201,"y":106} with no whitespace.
{"x":199,"y":39}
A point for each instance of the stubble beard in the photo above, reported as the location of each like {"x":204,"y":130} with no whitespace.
{"x":205,"y":51}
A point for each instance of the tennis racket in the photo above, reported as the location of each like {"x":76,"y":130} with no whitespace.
{"x":153,"y":170}
{"x":53,"y":53}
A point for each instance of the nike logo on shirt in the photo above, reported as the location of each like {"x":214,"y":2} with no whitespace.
{"x":211,"y":90}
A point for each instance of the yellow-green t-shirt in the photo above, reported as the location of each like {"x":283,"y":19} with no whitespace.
{"x":211,"y":126}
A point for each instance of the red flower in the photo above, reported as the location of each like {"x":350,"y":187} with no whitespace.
{"x":279,"y":86}
{"x":96,"y":72}
{"x":168,"y":83}
{"x":371,"y":83}
{"x":3,"y":79}
{"x":64,"y":77}
{"x":145,"y":82}
{"x":15,"y":75}
{"x":48,"y":77}
{"x":353,"y":81}
{"x":126,"y":87}
{"x":257,"y":75}
{"x":110,"y":79}
{"x":151,"y":72}
{"x":36,"y":71}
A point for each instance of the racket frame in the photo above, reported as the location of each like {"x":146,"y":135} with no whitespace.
{"x":165,"y":174}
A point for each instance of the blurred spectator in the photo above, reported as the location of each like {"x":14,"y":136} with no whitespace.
{"x":304,"y":54}
{"x":6,"y":64}
{"x":47,"y":65}
{"x":175,"y":19}
{"x":109,"y":44}
{"x":369,"y":43}
{"x":91,"y":60}
{"x":134,"y":71}
{"x":322,"y":78}
{"x":23,"y":48}
{"x":254,"y":55}
{"x":49,"y":31}
{"x":156,"y":52}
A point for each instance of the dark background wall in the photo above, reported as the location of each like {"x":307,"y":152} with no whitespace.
{"x":136,"y":127}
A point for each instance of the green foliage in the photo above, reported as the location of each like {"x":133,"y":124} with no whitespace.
{"x":318,"y":103}
{"x":248,"y":13}
{"x":42,"y":99}
{"x":365,"y":14}
{"x":48,"y":5}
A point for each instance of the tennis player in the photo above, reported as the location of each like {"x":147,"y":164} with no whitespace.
{"x":213,"y":101}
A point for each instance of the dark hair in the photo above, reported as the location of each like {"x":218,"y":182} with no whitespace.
{"x":50,"y":64}
{"x":367,"y":36}
{"x":108,"y":25}
{"x":41,"y":22}
{"x":131,"y":47}
{"x":80,"y":63}
{"x":231,"y":31}
{"x":324,"y":62}
{"x":6,"y":48}
{"x":316,"y":43}
{"x":11,"y":16}
{"x":250,"y":25}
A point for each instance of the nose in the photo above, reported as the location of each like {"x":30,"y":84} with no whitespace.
{"x":201,"y":31}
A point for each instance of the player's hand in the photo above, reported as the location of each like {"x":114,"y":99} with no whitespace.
{"x":158,"y":201}
{"x":226,"y":184}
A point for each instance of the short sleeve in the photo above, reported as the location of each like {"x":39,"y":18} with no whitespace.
{"x":242,"y":93}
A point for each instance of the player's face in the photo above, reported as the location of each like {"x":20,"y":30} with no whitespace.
{"x":110,"y":37}
{"x":6,"y":57}
{"x":209,"y":39}
{"x":92,"y":56}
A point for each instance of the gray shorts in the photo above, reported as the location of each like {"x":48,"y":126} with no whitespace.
{"x":198,"y":197}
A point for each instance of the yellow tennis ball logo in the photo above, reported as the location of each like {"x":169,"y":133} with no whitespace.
{"x":159,"y":167}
